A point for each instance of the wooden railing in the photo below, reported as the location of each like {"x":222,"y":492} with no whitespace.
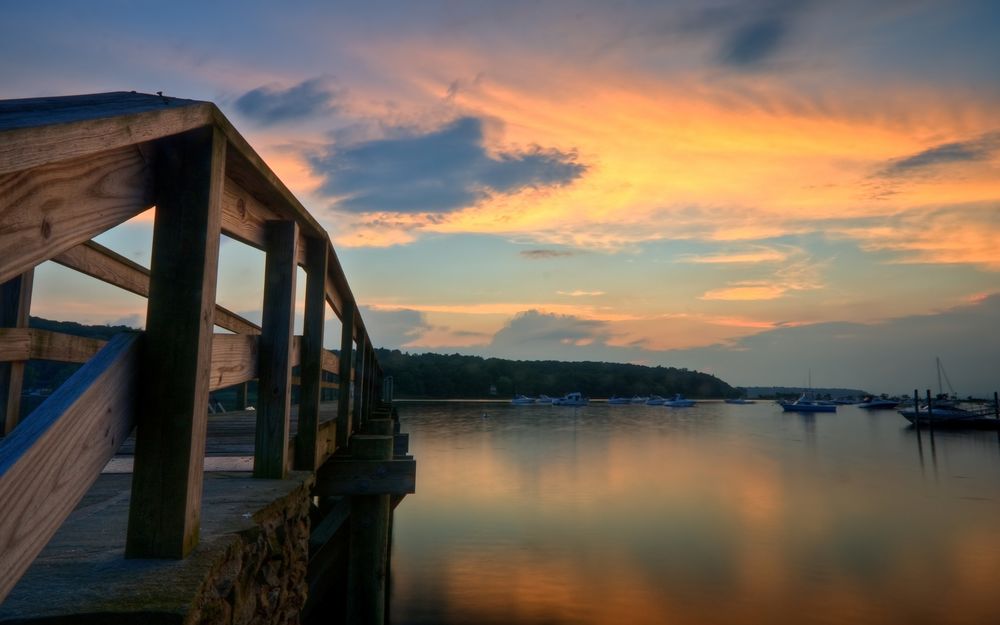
{"x":72,"y":168}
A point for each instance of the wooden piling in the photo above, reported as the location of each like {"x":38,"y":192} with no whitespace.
{"x":311,"y":361}
{"x":369,"y":538}
{"x":345,"y":374}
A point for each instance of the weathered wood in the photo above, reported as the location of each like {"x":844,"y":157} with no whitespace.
{"x":245,"y":219}
{"x":360,"y":379}
{"x":48,"y":463}
{"x":275,"y":369}
{"x":36,"y":344}
{"x":15,"y":306}
{"x":164,"y":515}
{"x":380,"y":427}
{"x":331,"y":362}
{"x":234,"y":359}
{"x":311,"y":364}
{"x":369,"y":535}
{"x":366,"y":477}
{"x":40,"y":131}
{"x":106,"y":265}
{"x":346,"y":374}
{"x":49,"y":209}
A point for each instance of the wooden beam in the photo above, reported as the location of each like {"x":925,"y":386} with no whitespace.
{"x":351,"y":476}
{"x":311,"y":365}
{"x":49,"y":209}
{"x":369,"y":536}
{"x":275,"y":369}
{"x":15,"y":306}
{"x":165,"y":509}
{"x":39,"y":131}
{"x":346,"y":374}
{"x":51,"y":460}
{"x":234,"y":359}
{"x":331,"y":362}
{"x":99,"y":262}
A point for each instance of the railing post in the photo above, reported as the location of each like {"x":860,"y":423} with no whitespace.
{"x":360,"y":379}
{"x":15,"y":304}
{"x":275,"y":367}
{"x":344,"y":375}
{"x":165,"y":509}
{"x":311,"y":360}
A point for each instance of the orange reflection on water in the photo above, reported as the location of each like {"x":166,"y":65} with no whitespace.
{"x":699,"y":516}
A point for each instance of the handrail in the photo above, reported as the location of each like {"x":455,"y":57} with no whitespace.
{"x":72,"y":168}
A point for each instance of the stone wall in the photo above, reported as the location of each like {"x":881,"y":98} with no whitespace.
{"x":261,"y":578}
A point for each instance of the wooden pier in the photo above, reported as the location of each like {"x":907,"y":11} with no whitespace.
{"x":155,"y":538}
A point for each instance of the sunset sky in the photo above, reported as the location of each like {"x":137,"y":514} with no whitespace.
{"x":757,"y":189}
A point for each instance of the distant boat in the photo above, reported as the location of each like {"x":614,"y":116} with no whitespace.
{"x":636,"y":399}
{"x":679,"y":401}
{"x":878,"y":403}
{"x":655,"y":400}
{"x":571,"y":399}
{"x":522,"y":400}
{"x":544,"y":399}
{"x":950,"y":414}
{"x":740,"y":401}
{"x":805,"y":403}
{"x":614,"y":399}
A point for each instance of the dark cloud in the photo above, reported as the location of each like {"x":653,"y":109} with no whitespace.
{"x":751,"y":32}
{"x":547,"y":332}
{"x":543,"y":254}
{"x":393,"y":329}
{"x":441,"y":171}
{"x":974,"y":150}
{"x":268,"y":105}
{"x":754,"y":42}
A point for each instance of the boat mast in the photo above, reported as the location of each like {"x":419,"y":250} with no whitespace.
{"x":937,"y":361}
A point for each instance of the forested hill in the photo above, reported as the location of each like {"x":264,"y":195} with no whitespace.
{"x":454,"y":376}
{"x":437,"y":376}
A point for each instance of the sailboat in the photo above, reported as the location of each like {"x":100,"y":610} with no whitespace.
{"x":945,"y":410}
{"x":807,"y":403}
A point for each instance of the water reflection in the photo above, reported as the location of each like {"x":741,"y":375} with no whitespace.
{"x":716,"y":514}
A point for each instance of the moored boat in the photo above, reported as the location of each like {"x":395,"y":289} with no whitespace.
{"x":544,"y":399}
{"x":655,"y":400}
{"x":805,"y":403}
{"x":614,"y":399}
{"x":637,"y":399}
{"x":679,"y":401}
{"x":571,"y":399}
{"x":878,"y":403}
{"x":740,"y":401}
{"x":522,"y":400}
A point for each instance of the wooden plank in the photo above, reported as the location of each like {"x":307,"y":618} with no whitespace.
{"x":351,"y":476}
{"x":40,"y":131}
{"x":46,"y":345}
{"x":346,"y":374}
{"x":52,"y":208}
{"x":97,"y":261}
{"x":15,"y":306}
{"x":245,"y":219}
{"x":51,"y":460}
{"x":164,"y":515}
{"x":311,"y":364}
{"x":15,"y":345}
{"x":331,"y":362}
{"x":275,"y":369}
{"x":234,"y":359}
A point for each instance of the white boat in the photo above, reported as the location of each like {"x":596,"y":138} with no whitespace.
{"x":878,"y":403}
{"x":638,"y":400}
{"x":522,"y":400}
{"x":679,"y":401}
{"x":618,"y":401}
{"x":806,"y":403}
{"x":544,"y":399}
{"x":655,"y":400}
{"x":571,"y":399}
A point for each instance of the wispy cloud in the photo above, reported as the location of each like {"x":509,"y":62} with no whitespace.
{"x":544,"y":254}
{"x":981,"y":148}
{"x":272,"y":105}
{"x":752,"y":256}
{"x":579,"y":293}
{"x":744,"y":291}
{"x":436,"y":172}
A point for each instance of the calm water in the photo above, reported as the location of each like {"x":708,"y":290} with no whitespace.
{"x":713,"y":514}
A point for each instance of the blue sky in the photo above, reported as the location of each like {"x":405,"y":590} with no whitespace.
{"x":753,"y":188}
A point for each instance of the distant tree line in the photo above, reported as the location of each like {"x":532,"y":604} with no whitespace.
{"x":437,"y":376}
{"x":454,"y":376}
